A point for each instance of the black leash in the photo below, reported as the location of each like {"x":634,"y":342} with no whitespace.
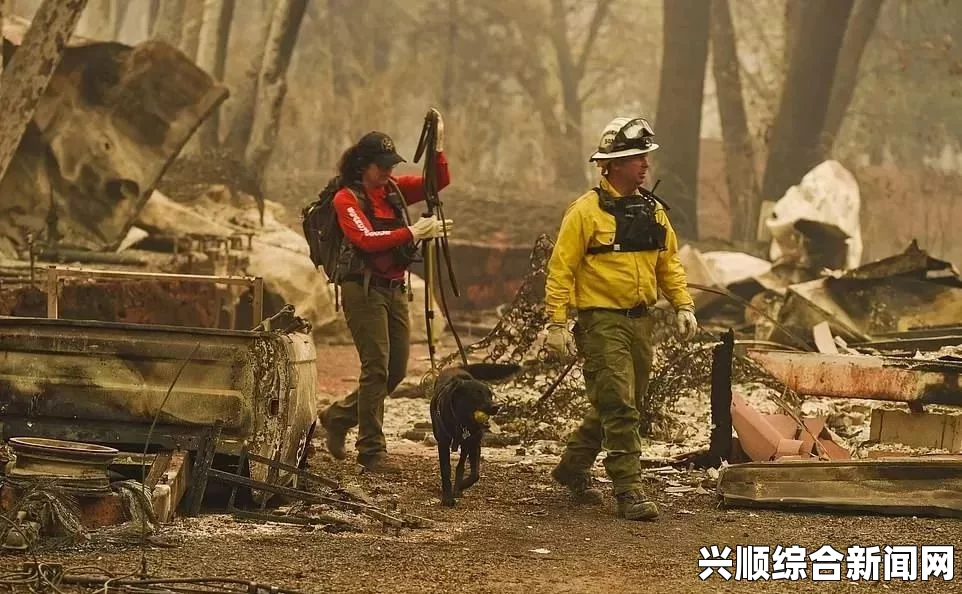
{"x":427,"y":147}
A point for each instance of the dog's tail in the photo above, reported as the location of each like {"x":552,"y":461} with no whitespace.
{"x":492,"y":372}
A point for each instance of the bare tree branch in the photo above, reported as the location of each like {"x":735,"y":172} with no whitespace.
{"x":601,"y":11}
{"x":861,"y":24}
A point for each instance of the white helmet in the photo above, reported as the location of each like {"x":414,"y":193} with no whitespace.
{"x":625,"y":137}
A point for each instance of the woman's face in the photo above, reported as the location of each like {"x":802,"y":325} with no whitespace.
{"x":375,"y":175}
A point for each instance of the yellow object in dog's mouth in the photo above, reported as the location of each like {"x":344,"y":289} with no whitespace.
{"x":481,"y":417}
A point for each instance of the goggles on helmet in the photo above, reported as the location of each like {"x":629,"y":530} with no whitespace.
{"x":637,"y":133}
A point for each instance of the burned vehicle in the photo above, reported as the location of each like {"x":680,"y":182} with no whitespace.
{"x":141,"y":387}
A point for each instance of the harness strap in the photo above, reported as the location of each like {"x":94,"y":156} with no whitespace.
{"x":400,"y":209}
{"x":459,"y":437}
{"x":603,"y":249}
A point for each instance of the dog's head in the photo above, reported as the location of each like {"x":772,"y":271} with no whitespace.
{"x":471,"y":400}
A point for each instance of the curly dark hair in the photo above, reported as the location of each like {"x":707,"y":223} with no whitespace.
{"x":352,"y":164}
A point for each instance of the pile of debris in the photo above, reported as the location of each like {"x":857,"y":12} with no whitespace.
{"x":57,"y":493}
{"x":828,"y":362}
{"x":81,"y":190}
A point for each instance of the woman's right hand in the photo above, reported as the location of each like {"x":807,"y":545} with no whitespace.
{"x":430,"y":227}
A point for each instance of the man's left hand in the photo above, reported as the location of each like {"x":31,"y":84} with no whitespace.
{"x":439,"y":146}
{"x":686,"y":323}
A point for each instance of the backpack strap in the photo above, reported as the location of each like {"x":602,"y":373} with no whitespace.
{"x":361,"y":196}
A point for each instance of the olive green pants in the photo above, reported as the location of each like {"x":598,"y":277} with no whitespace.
{"x":380,"y":328}
{"x":618,"y":353}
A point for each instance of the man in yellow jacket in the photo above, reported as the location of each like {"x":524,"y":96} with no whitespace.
{"x":615,"y":250}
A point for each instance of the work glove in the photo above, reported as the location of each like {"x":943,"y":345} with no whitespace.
{"x":430,"y":227}
{"x":439,"y":144}
{"x":686,"y":323}
{"x":559,"y":341}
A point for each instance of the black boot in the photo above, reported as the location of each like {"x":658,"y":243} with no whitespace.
{"x":578,"y":483}
{"x":633,"y":505}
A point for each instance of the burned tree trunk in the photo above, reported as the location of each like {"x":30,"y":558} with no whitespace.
{"x":569,"y":168}
{"x":680,"y":95}
{"x":739,"y":153}
{"x":339,"y":41}
{"x":796,"y":135}
{"x":792,"y":20}
{"x":450,"y":66}
{"x":568,"y":151}
{"x":1,"y":38}
{"x":99,"y":20}
{"x":859,"y":31}
{"x":212,"y":57}
{"x":150,"y":17}
{"x":28,"y":74}
{"x":272,"y":84}
{"x":244,"y":99}
{"x":169,"y":22}
{"x":190,"y":28}
{"x":118,"y":14}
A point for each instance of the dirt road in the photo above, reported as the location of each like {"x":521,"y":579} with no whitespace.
{"x":486,"y":544}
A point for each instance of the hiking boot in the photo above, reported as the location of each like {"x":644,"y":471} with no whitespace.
{"x":334,"y":439}
{"x":578,"y":484}
{"x":379,"y":463}
{"x":633,"y":505}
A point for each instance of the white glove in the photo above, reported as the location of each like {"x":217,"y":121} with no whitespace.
{"x":686,"y":323}
{"x":559,"y":341}
{"x":439,"y":144}
{"x":430,"y":227}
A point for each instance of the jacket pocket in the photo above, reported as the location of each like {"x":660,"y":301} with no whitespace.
{"x":604,"y":238}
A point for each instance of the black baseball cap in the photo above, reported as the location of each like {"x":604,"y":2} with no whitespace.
{"x":379,"y":147}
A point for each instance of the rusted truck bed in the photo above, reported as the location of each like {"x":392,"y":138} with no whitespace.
{"x":103,"y":382}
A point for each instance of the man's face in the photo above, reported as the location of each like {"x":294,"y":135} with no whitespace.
{"x":631,"y":168}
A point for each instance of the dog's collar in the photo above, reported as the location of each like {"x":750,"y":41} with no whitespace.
{"x":464,"y":434}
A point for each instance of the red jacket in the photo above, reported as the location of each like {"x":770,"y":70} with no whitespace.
{"x":359,"y":231}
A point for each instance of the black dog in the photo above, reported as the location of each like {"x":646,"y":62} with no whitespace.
{"x":460,"y":409}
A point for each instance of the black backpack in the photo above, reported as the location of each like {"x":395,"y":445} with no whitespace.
{"x":325,"y":237}
{"x":322,"y":231}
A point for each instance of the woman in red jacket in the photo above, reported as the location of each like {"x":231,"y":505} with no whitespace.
{"x":381,"y":244}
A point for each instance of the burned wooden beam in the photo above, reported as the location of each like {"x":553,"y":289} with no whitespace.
{"x":720,"y":444}
{"x":201,"y":468}
{"x":912,"y":344}
{"x":304,"y":474}
{"x":916,"y":486}
{"x":856,"y":376}
{"x":234,"y":479}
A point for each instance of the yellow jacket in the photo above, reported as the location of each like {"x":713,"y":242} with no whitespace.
{"x":609,"y":280}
